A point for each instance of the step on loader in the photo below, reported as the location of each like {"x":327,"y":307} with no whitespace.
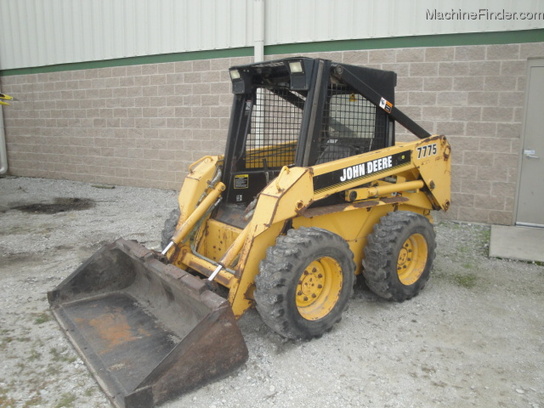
{"x":312,"y":191}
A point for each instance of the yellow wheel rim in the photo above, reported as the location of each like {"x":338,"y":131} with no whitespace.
{"x":319,"y":288}
{"x":412,"y":259}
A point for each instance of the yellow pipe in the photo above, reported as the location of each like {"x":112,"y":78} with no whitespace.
{"x":393,"y":188}
{"x":197,"y":214}
{"x":234,"y":249}
{"x":206,"y":268}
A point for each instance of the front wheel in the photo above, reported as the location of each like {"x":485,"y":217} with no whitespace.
{"x":399,"y":255}
{"x":305,"y":283}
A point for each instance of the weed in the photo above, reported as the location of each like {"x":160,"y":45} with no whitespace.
{"x":453,"y":225}
{"x":34,"y":355}
{"x":58,"y":356}
{"x":4,"y":342}
{"x":465,"y":250}
{"x":35,"y":401}
{"x":467,"y":281}
{"x":5,"y":401}
{"x":52,"y":370}
{"x":484,"y":239}
{"x":42,"y":318}
{"x":485,"y":235}
{"x":66,"y":400}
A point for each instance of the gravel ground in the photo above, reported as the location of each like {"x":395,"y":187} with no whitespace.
{"x":473,"y":338}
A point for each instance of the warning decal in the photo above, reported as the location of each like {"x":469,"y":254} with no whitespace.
{"x":241,"y":181}
{"x":386,"y":105}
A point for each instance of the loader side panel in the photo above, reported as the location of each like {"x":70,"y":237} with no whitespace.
{"x":217,"y":238}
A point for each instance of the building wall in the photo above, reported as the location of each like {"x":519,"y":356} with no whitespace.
{"x":51,"y":32}
{"x":39,"y":33}
{"x":142,"y":125}
{"x":138,"y":125}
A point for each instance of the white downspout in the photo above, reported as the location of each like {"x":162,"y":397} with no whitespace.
{"x":258,"y":56}
{"x":258,"y":30}
{"x":3,"y":146}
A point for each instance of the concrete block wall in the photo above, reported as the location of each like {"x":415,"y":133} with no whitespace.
{"x":139,"y":125}
{"x":143,"y":125}
{"x":475,"y":96}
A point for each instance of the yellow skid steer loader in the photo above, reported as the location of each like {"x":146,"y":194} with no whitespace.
{"x":312,"y":191}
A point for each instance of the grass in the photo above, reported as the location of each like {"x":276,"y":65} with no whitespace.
{"x":485,"y":235}
{"x":41,"y":318}
{"x":467,"y":281}
{"x":5,"y":401}
{"x":466,"y":252}
{"x":34,"y":355}
{"x":66,"y":400}
{"x":58,"y":356}
{"x":35,"y":401}
{"x":6,"y":340}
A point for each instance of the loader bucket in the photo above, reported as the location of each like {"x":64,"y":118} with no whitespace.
{"x":146,"y":330}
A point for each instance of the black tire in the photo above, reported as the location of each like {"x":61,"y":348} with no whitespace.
{"x":399,"y":255}
{"x":169,"y":227}
{"x":305,"y":283}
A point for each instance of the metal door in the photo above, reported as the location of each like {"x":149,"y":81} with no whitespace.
{"x":530,"y":208}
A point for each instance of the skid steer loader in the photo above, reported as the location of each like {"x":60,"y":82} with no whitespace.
{"x":312,"y":190}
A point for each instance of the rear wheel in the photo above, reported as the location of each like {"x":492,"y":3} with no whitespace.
{"x":399,"y":255}
{"x":305,"y":283}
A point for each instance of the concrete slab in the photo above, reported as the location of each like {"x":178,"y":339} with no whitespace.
{"x":523,"y":243}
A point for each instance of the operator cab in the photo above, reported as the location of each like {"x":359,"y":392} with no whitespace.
{"x":299,"y":112}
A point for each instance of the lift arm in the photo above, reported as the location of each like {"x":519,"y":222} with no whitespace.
{"x":343,"y":72}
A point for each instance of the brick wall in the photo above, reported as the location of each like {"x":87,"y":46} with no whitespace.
{"x":475,"y":95}
{"x":136,"y":125}
{"x":143,"y":125}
